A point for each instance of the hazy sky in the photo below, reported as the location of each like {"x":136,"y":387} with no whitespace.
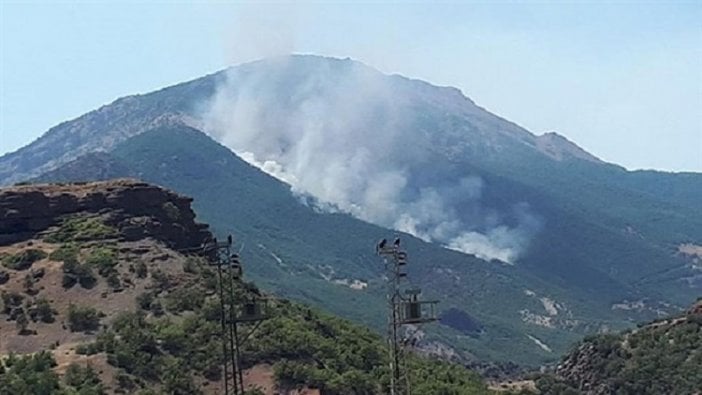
{"x":623,"y":80}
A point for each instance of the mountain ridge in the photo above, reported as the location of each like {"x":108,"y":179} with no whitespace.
{"x":185,"y":111}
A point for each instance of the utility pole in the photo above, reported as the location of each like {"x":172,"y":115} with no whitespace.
{"x":232,"y":312}
{"x":404,"y":308}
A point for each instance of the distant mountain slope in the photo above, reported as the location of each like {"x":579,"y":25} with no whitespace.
{"x":92,"y":166}
{"x":102,"y":129}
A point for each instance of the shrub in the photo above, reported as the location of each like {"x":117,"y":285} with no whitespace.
{"x":42,"y":311}
{"x":28,"y":284}
{"x":190,"y":265}
{"x":141,"y":270}
{"x":30,"y":374}
{"x":160,"y":280}
{"x":21,"y":322}
{"x":177,"y":380}
{"x":24,"y":259}
{"x":83,"y":379}
{"x":156,"y":308}
{"x":10,"y":300}
{"x":67,"y":252}
{"x":87,"y":349}
{"x":104,"y":259}
{"x":81,"y":229}
{"x":83,"y":319}
{"x":144,"y":300}
{"x":113,"y":281}
{"x":125,"y":383}
{"x":209,"y":278}
{"x":173,"y":337}
{"x":4,"y":277}
{"x":74,"y":272}
{"x":185,"y":299}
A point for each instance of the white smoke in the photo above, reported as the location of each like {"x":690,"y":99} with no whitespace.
{"x":344,"y":134}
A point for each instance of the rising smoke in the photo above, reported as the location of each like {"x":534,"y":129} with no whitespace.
{"x":352,"y":138}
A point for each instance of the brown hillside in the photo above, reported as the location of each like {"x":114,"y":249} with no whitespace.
{"x":133,"y":237}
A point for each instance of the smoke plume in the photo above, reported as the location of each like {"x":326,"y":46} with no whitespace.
{"x":352,"y":139}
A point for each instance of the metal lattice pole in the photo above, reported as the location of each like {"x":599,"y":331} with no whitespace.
{"x":231,"y":321}
{"x":223,"y":315}
{"x":391,"y":255}
{"x":220,"y":254}
{"x":401,"y":311}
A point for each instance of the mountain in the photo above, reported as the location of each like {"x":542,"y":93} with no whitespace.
{"x":102,"y":293}
{"x":545,"y":241}
{"x":662,"y":357}
{"x":328,"y":259}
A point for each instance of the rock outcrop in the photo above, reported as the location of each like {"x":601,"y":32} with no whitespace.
{"x":134,"y":208}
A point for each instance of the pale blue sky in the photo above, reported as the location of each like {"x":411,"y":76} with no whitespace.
{"x":623,"y":80}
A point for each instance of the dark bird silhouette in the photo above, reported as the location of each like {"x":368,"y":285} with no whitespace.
{"x":381,"y":244}
{"x":397,"y":242}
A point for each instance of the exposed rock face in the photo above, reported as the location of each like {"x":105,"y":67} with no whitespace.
{"x":135,"y":208}
{"x":577,"y":369}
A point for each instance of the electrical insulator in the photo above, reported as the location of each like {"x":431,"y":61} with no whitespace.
{"x":401,"y":258}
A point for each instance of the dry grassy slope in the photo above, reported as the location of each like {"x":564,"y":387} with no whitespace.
{"x":62,"y":341}
{"x":130,"y":252}
{"x":109,"y":301}
{"x":57,"y":335}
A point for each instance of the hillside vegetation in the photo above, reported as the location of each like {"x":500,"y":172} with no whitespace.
{"x":663,"y":357}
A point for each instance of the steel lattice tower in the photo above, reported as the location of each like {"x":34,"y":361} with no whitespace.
{"x":404,"y":308}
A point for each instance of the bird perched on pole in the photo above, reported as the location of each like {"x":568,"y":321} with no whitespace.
{"x":380,"y":245}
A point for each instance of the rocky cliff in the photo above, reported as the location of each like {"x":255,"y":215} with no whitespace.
{"x":134,"y":208}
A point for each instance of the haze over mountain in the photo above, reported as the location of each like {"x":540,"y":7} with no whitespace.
{"x":562,"y":244}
